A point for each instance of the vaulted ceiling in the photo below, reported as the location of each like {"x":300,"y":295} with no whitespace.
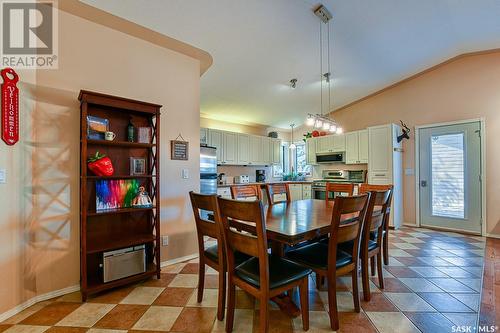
{"x":259,"y":45}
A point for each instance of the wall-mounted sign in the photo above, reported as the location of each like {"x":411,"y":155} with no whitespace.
{"x":179,"y":150}
{"x":10,"y":106}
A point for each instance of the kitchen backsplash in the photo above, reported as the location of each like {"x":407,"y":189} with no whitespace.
{"x":232,"y":171}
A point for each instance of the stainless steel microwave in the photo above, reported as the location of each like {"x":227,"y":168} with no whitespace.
{"x":330,"y":158}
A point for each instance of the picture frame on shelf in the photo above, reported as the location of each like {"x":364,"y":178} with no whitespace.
{"x":97,"y":128}
{"x":144,"y":134}
{"x":137,"y":166}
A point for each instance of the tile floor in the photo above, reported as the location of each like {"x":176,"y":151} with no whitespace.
{"x":433,"y":282}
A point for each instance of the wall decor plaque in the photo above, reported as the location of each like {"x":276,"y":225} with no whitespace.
{"x":179,"y":149}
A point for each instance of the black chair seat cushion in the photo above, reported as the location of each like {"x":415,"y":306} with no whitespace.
{"x":281,"y":271}
{"x":373,"y":234}
{"x":316,"y":256}
{"x":347,"y":246}
{"x":211,"y":253}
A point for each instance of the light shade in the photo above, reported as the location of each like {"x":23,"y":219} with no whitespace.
{"x":318,"y":123}
{"x":340,"y":130}
{"x":292,"y":146}
{"x":326,"y":126}
{"x":333,"y":128}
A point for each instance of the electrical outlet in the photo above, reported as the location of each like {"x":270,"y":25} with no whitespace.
{"x":164,"y":240}
{"x":3,"y":176}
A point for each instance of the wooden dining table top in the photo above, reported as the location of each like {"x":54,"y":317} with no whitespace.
{"x":297,"y":221}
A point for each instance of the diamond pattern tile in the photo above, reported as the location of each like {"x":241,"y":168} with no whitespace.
{"x":432,"y":282}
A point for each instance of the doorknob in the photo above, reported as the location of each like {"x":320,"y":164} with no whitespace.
{"x":423,"y":183}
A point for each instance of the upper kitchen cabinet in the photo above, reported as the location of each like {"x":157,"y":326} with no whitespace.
{"x":204,"y":136}
{"x":215,"y":139}
{"x":243,"y":149}
{"x":266,"y":150}
{"x":256,"y":157}
{"x":356,"y":147}
{"x":330,"y":144}
{"x":311,"y":151}
{"x":230,"y":147}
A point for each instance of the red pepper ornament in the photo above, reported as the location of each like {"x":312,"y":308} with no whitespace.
{"x":100,"y":165}
{"x":10,"y":107}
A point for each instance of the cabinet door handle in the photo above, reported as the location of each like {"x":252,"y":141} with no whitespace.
{"x":380,"y":175}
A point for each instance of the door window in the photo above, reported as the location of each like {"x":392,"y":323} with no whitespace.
{"x":448,"y":175}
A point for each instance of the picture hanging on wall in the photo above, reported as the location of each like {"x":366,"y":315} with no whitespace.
{"x":115,"y":194}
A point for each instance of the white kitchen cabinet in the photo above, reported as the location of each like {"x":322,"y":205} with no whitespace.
{"x":224,"y":192}
{"x":255,"y":150}
{"x":295,"y":191}
{"x":306,"y":191}
{"x":330,"y":144}
{"x":266,"y":150}
{"x":243,"y":149}
{"x":276,"y":151}
{"x":385,"y":165}
{"x":216,"y":140}
{"x":230,"y":147}
{"x":356,"y":147}
{"x":204,"y":136}
{"x":363,"y":146}
{"x":311,"y":151}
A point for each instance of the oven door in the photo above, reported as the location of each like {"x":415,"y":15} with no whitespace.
{"x":319,"y":193}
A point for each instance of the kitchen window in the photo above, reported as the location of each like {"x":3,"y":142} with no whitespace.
{"x":301,"y":160}
{"x":296,"y":159}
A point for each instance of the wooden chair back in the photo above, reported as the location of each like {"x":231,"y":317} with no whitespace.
{"x":338,"y":188}
{"x":277,"y":189}
{"x":246,"y":192}
{"x":252,"y":213}
{"x":364,"y":188}
{"x":204,"y":204}
{"x":375,"y":219}
{"x":353,"y":208}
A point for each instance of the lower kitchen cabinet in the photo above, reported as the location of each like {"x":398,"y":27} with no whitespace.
{"x":300,"y":191}
{"x":224,"y":192}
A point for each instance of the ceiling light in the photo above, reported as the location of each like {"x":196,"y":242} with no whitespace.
{"x":292,"y":144}
{"x":333,"y":128}
{"x":340,"y":130}
{"x":326,"y":126}
{"x":310,"y":120}
{"x":319,"y":123}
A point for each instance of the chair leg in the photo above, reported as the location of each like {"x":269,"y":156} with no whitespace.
{"x":264,"y":314}
{"x":231,"y":304}
{"x":379,"y":271}
{"x":318,"y":281}
{"x":355,"y":290}
{"x":201,"y":279}
{"x":332,"y":303}
{"x":372,"y":264}
{"x":385,"y":245}
{"x":365,"y":279}
{"x":304,"y":303}
{"x":221,"y":304}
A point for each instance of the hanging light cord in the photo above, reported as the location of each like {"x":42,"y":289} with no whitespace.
{"x":330,"y":78}
{"x":321,"y":64}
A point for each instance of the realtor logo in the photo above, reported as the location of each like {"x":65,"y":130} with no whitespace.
{"x":29,"y":34}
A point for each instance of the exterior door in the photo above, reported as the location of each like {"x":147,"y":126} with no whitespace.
{"x":450,"y":177}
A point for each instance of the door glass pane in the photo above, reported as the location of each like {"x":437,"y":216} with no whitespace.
{"x":448,"y":191}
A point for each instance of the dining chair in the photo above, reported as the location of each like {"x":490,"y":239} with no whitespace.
{"x":264,"y":275}
{"x":205,"y":206}
{"x":280,"y":190}
{"x":326,"y":259}
{"x":338,"y":188}
{"x":246,"y":192}
{"x":385,"y":230}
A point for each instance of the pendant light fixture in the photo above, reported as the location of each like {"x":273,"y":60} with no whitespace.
{"x":292,"y":144}
{"x":320,"y":121}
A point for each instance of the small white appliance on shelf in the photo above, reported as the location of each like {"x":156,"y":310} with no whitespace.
{"x":242,"y":179}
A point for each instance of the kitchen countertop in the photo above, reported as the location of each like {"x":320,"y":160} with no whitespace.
{"x":270,"y":182}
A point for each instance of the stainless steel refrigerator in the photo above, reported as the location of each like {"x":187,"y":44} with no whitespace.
{"x":208,"y":170}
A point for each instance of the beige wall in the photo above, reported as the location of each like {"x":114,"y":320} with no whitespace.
{"x":39,"y":206}
{"x":466,"y":88}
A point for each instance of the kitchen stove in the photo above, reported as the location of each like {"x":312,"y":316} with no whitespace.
{"x":336,"y":176}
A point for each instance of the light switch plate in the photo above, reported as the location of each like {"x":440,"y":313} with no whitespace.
{"x":164,"y":240}
{"x":185,"y":173}
{"x":3,"y":176}
{"x":409,"y":172}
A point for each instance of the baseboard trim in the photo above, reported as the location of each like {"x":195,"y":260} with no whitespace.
{"x":497,"y":236}
{"x":414,"y":225}
{"x":178,"y":260}
{"x":39,"y":298}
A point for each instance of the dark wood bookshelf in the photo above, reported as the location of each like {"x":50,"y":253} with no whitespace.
{"x":108,"y":230}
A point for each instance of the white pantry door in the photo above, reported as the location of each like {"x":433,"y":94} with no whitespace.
{"x":450,"y":177}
